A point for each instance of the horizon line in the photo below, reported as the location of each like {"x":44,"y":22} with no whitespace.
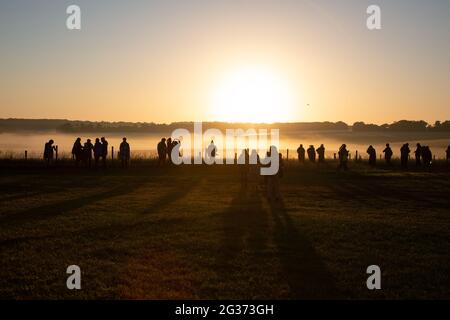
{"x":218,"y":121}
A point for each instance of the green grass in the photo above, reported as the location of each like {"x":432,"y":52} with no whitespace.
{"x":191,"y":232}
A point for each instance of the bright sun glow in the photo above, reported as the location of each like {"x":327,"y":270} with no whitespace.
{"x":252,"y":95}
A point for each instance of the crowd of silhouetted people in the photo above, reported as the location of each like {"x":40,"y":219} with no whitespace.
{"x":423,"y":155}
{"x":250,"y":165}
{"x":165,"y":148}
{"x":85,"y":153}
{"x":343,"y":154}
{"x":95,"y":154}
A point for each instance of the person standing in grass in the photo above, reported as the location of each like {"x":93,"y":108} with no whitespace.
{"x":176,"y":145}
{"x":372,"y":156}
{"x":49,"y":150}
{"x":273,"y":181}
{"x":244,"y":168}
{"x":404,"y":154}
{"x":301,"y":154}
{"x":87,"y":149}
{"x":311,"y":153}
{"x":343,"y":157}
{"x":77,"y":151}
{"x":388,"y":154}
{"x":98,"y":151}
{"x":418,"y":154}
{"x":426,"y":156}
{"x":255,"y":169}
{"x":162,"y":152}
{"x":211,"y":151}
{"x":124,"y":151}
{"x":321,"y":153}
{"x":448,"y":154}
{"x":104,"y":151}
{"x":169,"y":149}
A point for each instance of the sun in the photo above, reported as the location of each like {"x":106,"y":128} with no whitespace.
{"x":252,"y":94}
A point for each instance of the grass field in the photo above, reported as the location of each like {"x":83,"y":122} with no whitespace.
{"x":192,"y":232}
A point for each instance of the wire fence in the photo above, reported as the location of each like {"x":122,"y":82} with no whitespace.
{"x":288,"y":154}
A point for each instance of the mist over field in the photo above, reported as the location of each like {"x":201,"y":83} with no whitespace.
{"x":142,"y":144}
{"x":20,"y":135}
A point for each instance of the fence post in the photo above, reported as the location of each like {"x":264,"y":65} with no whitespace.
{"x":287,"y":154}
{"x":334,"y":156}
{"x":356,"y":155}
{"x":26,"y":154}
{"x":112,"y":153}
{"x":56,"y":149}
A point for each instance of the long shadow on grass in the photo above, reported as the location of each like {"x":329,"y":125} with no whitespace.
{"x":386,"y":192}
{"x":117,"y":242}
{"x":305,"y":272}
{"x":181,"y":189}
{"x":21,"y":189}
{"x":108,"y":232}
{"x":63,"y":207}
{"x":36,"y":190}
{"x":245,"y":251}
{"x":244,"y":224}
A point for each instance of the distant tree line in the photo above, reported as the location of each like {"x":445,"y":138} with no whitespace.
{"x":71,"y":126}
{"x":403,"y":126}
{"x":83,"y":126}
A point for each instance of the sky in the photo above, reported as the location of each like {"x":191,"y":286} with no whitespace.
{"x":203,"y":60}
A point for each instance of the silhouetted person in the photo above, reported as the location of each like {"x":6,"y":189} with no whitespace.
{"x":266,"y":177}
{"x":254,"y":170}
{"x":301,"y":153}
{"x":49,"y":152}
{"x":169,"y":149}
{"x":388,"y":154}
{"x":104,"y":151}
{"x":162,"y":152}
{"x":273,"y":181}
{"x":124,"y":151}
{"x":176,"y":145}
{"x":281,"y":166}
{"x":244,"y":168}
{"x":426,"y":156}
{"x":98,"y":151}
{"x":418,"y":154}
{"x":343,"y":157}
{"x":447,"y":152}
{"x":87,"y":150}
{"x":211,"y":151}
{"x":404,"y":154}
{"x":77,"y":151}
{"x":311,"y":153}
{"x":372,"y":156}
{"x":321,"y":153}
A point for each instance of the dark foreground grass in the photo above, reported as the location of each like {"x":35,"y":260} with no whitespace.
{"x":192,"y":232}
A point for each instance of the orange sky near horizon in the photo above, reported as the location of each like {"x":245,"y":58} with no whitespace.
{"x":165,"y":62}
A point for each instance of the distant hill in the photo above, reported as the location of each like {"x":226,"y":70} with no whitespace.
{"x":72,"y":126}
